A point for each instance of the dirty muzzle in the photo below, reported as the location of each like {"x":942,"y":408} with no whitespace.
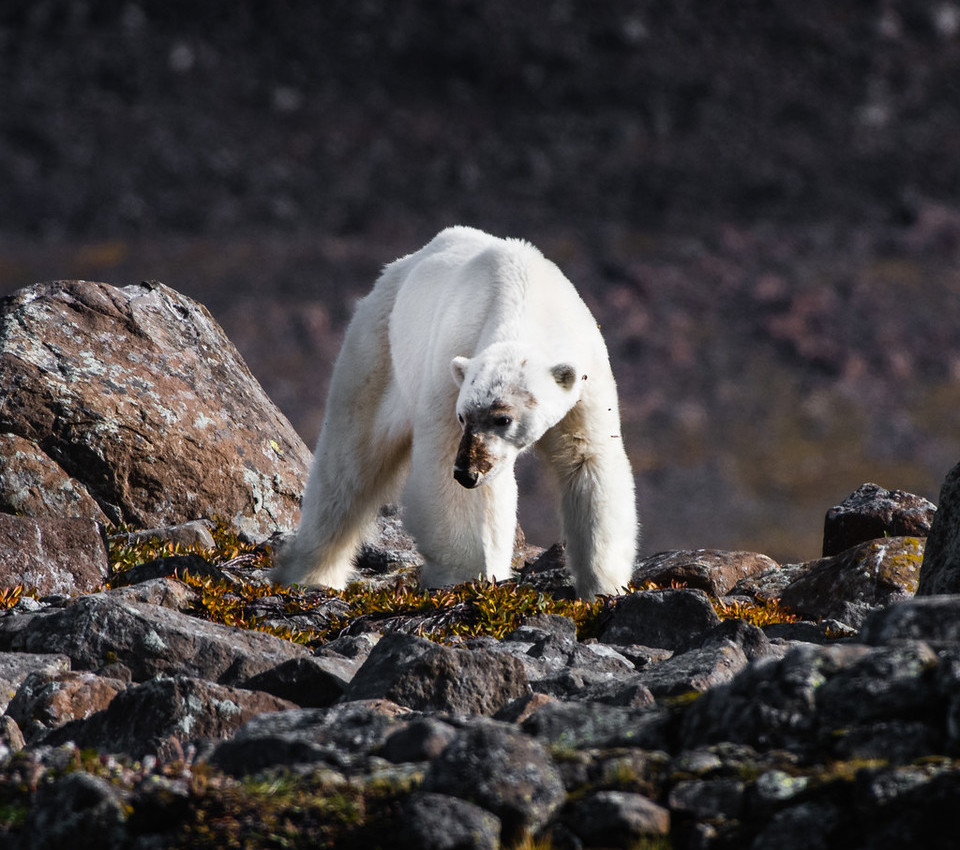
{"x":473,"y":460}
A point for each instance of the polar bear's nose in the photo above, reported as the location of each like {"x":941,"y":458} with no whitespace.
{"x":466,"y":477}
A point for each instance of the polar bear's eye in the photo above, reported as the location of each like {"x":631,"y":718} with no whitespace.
{"x":502,"y":421}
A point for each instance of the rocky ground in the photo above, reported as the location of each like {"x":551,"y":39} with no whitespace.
{"x":159,"y":691}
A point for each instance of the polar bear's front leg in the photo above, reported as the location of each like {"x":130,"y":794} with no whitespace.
{"x":600,"y":526}
{"x":462,"y":534}
{"x":597,"y":502}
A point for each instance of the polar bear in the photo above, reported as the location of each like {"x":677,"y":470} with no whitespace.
{"x":465,"y":354}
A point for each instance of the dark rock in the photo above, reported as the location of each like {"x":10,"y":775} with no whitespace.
{"x":940,"y":572}
{"x":49,"y":700}
{"x":884,"y":706}
{"x":870,"y":513}
{"x":669,"y":619}
{"x":194,"y":533}
{"x":389,"y":548}
{"x":826,"y":631}
{"x":708,"y":798}
{"x":160,"y":716}
{"x":503,"y":771}
{"x":78,"y":810}
{"x":16,"y":667}
{"x":52,"y":555}
{"x":309,"y":682}
{"x":630,"y":691}
{"x":694,"y":671}
{"x":540,"y":626}
{"x":357,"y":647}
{"x":559,"y":665}
{"x":848,"y":586}
{"x":94,"y":377}
{"x":934,"y":619}
{"x":173,"y":566}
{"x":420,"y":674}
{"x":616,"y":819}
{"x":711,"y":570}
{"x":340,"y":736}
{"x":427,"y":821}
{"x":750,"y":638}
{"x":805,"y":826}
{"x":419,"y":740}
{"x":548,"y":573}
{"x":151,"y":640}
{"x":581,"y":725}
{"x":771,"y":703}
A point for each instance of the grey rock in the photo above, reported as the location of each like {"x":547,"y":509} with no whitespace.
{"x":139,"y":397}
{"x":423,"y":675}
{"x":934,"y":619}
{"x":163,"y":592}
{"x":616,"y":819}
{"x":78,"y":810}
{"x":750,"y":638}
{"x":342,"y":736}
{"x":15,"y":667}
{"x":630,"y":691}
{"x":428,"y":821}
{"x":419,"y":740}
{"x":694,"y":671}
{"x":151,"y":640}
{"x":542,"y":626}
{"x":940,"y":572}
{"x":52,"y":555}
{"x":503,"y":771}
{"x":771,"y":703}
{"x":160,"y":716}
{"x":582,"y":725}
{"x":357,"y":647}
{"x":708,"y":798}
{"x":193,"y":533}
{"x":668,"y":619}
{"x":888,"y":682}
{"x":870,"y":513}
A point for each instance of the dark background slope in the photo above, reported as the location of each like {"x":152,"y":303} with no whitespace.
{"x":760,"y":201}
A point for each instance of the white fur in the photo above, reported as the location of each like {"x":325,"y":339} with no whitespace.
{"x":486,"y":329}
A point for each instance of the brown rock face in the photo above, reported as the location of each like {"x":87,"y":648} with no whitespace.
{"x":136,"y":405}
{"x":52,"y":555}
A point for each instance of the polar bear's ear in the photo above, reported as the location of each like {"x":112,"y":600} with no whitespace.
{"x":459,"y":367}
{"x":564,"y":374}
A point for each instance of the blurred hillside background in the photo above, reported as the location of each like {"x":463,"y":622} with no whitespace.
{"x":760,"y":202}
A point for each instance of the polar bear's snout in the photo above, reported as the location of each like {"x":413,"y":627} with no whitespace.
{"x":473,"y":460}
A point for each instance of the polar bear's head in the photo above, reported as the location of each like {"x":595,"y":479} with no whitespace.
{"x":509,"y":398}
